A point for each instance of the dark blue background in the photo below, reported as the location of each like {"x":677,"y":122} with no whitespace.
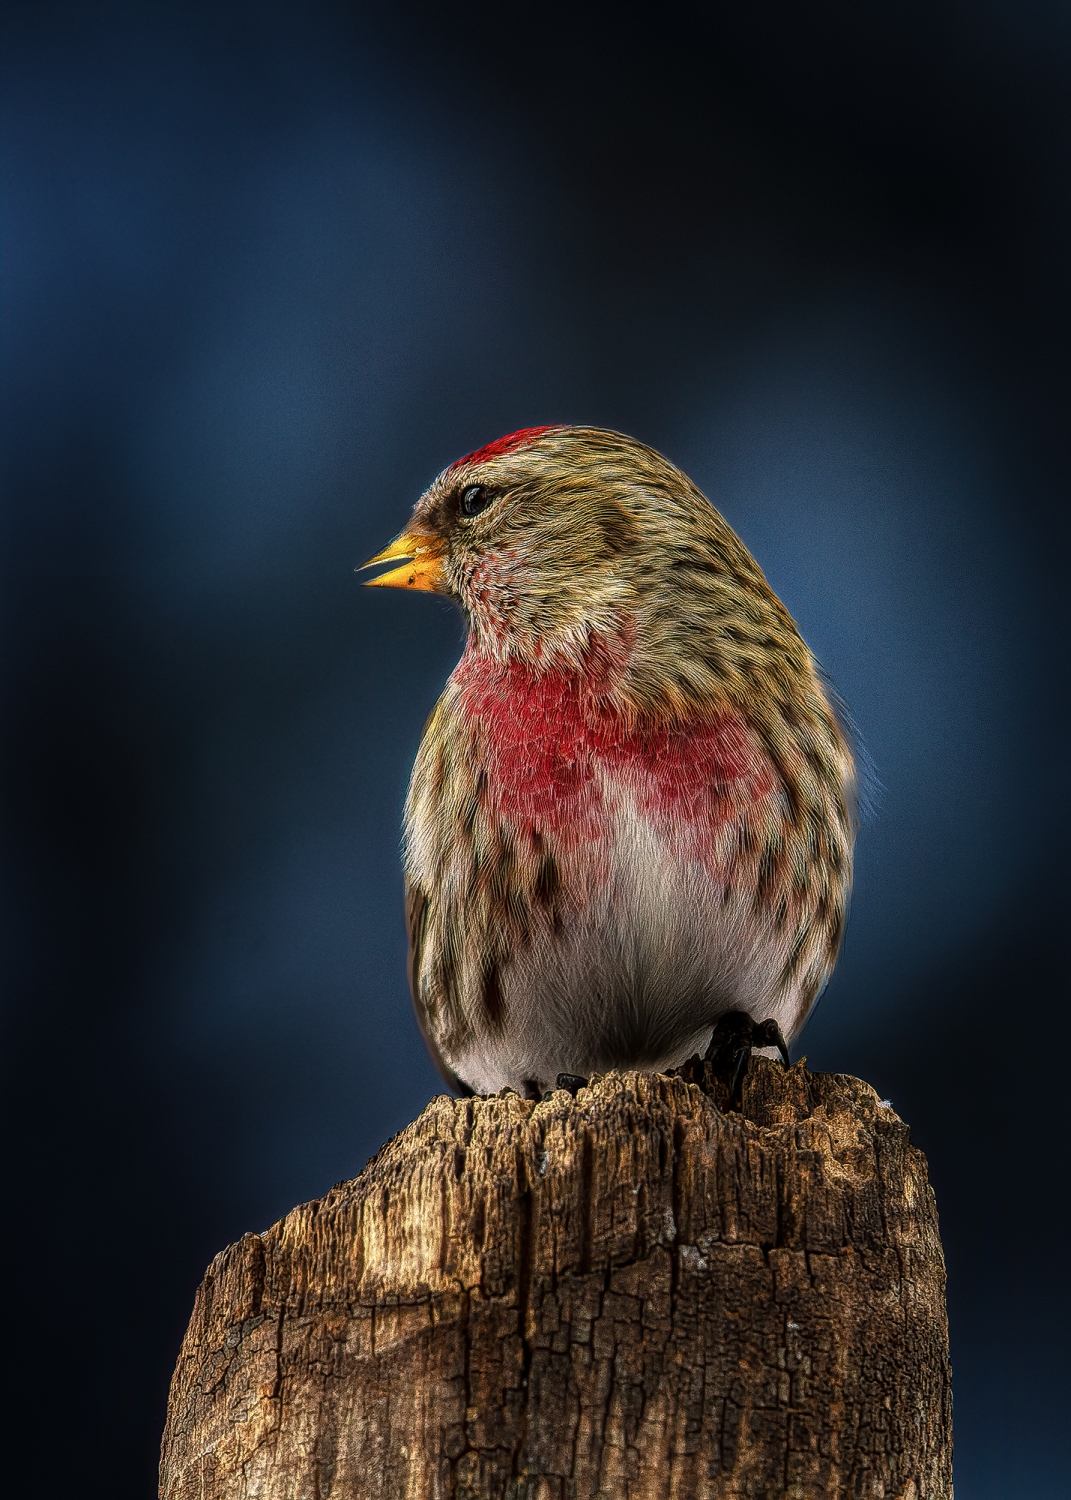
{"x":267,"y":268}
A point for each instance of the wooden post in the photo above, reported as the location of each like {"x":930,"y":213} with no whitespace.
{"x":630,"y":1295}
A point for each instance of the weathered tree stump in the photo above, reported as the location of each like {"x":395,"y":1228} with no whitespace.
{"x":627,"y":1295}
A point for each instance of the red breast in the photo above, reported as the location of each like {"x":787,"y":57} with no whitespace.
{"x":557,"y":755}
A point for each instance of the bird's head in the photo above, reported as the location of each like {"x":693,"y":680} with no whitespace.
{"x":532,"y":538}
{"x":553,"y":538}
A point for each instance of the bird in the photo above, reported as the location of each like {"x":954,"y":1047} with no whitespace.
{"x":630,"y":824}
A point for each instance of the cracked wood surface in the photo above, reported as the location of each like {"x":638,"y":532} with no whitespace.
{"x":632,"y":1296}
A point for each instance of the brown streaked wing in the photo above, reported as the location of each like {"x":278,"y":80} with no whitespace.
{"x":416,"y":907}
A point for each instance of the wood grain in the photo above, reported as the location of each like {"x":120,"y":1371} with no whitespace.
{"x":629,"y":1295}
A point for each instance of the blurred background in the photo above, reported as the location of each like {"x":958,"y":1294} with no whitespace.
{"x":266,"y":269}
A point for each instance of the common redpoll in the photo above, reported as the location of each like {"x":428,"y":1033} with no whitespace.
{"x":632,"y":809}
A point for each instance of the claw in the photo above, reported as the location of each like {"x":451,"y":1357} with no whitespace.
{"x":769,"y":1035}
{"x":571,"y":1083}
{"x":731,"y":1041}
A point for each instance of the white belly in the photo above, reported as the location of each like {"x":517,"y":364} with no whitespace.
{"x":637,"y":978}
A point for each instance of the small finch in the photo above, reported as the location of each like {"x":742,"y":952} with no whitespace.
{"x":632,"y":811}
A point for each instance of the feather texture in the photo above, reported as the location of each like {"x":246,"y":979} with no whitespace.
{"x":633,"y":806}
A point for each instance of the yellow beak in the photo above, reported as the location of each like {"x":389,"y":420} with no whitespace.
{"x":423,"y":570}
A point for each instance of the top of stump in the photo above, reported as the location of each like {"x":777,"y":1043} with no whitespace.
{"x":437,"y":1206}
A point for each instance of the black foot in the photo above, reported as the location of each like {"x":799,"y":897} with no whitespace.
{"x":730,"y":1047}
{"x":568,"y":1081}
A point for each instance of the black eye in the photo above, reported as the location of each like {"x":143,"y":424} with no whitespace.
{"x":474,"y":499}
